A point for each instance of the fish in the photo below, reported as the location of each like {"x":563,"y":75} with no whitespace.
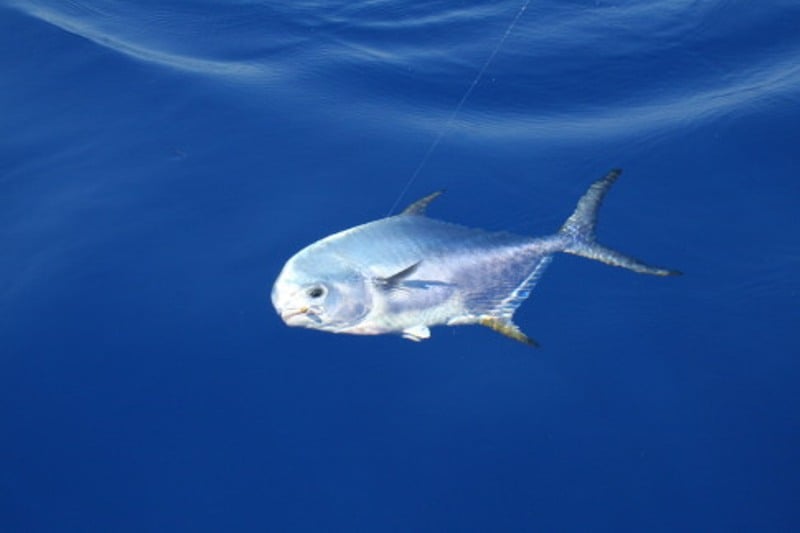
{"x":406,"y":273}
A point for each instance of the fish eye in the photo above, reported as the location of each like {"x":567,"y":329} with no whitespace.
{"x":315,"y":292}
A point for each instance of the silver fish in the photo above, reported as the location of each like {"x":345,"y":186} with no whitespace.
{"x":405,"y":273}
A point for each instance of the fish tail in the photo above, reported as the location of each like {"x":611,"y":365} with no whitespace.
{"x":579,"y":231}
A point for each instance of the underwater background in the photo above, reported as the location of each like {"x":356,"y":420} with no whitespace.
{"x":160,"y":161}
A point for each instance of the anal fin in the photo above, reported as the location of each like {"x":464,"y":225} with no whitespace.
{"x":507,"y":328}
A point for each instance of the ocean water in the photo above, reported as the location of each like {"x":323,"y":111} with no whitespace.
{"x":160,"y":161}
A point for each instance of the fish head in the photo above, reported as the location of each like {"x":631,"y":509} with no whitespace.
{"x":321,"y":293}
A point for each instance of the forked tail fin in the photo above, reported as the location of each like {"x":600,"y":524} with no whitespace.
{"x":579,"y":230}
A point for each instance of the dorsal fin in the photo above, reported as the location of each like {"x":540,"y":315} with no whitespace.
{"x":419,"y":207}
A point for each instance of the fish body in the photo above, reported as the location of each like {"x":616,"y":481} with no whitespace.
{"x":405,"y":273}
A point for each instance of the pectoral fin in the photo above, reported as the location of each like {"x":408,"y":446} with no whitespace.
{"x":507,"y":328}
{"x":394,"y":281}
{"x":416,"y":333}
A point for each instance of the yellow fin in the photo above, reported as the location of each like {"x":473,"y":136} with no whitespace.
{"x":507,"y":328}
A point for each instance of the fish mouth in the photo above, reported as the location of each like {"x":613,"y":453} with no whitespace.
{"x":300,"y":316}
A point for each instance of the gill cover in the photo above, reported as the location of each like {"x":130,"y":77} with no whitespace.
{"x":333,"y":300}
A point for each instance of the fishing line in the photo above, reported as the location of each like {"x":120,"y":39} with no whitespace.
{"x":454,"y":113}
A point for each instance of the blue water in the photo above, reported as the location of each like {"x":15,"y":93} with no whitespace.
{"x":159,"y":161}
